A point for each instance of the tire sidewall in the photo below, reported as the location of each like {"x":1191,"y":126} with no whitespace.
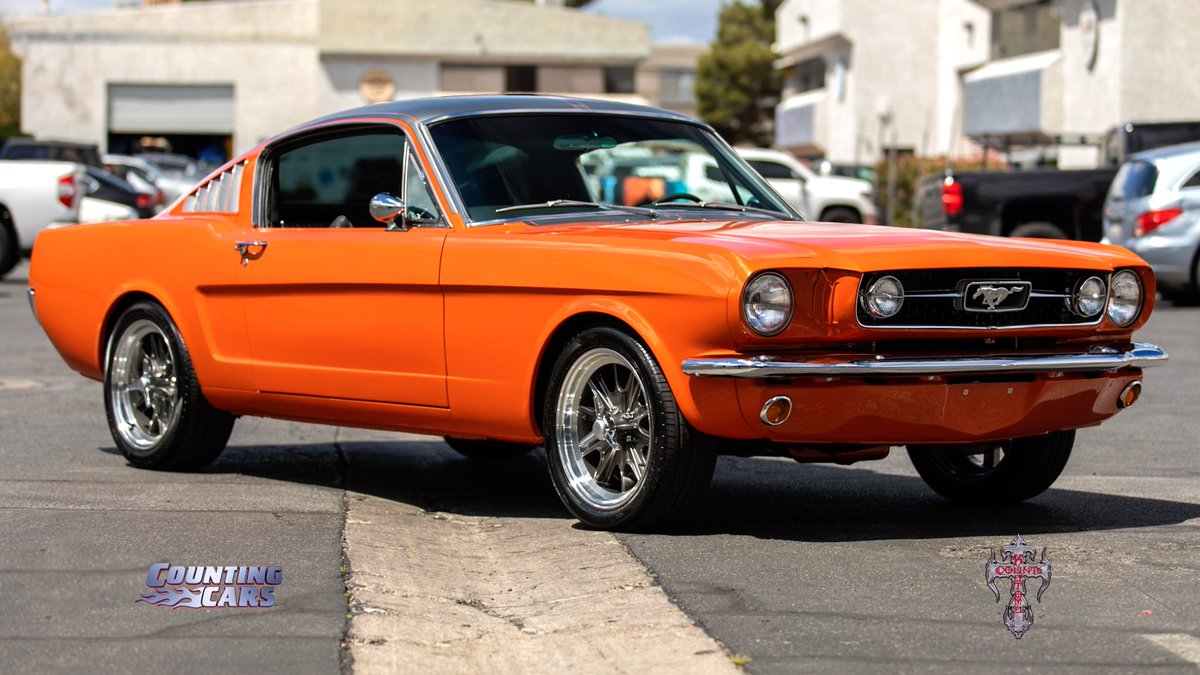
{"x":664,"y":422}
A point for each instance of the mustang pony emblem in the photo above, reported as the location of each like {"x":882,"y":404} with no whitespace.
{"x":1016,"y":564}
{"x":994,"y":295}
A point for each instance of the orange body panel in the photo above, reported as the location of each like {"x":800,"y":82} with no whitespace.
{"x":448,"y":330}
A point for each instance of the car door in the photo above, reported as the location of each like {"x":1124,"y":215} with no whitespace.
{"x":337,"y":305}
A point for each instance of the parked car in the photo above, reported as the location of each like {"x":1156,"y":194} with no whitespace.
{"x":34,"y":196}
{"x":100,"y":184}
{"x":831,"y":199}
{"x":146,"y":177}
{"x":1128,"y":138}
{"x":1043,"y":203}
{"x":47,"y":149}
{"x":92,"y":210}
{"x":445,"y":266}
{"x":176,"y":166}
{"x":1153,"y":209}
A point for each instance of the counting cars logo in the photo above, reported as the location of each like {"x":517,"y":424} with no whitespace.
{"x":201,"y":587}
{"x":1017,"y":564}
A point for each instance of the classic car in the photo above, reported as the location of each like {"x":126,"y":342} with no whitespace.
{"x":449,"y":266}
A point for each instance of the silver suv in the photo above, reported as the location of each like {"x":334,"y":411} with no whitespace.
{"x":1153,"y":209}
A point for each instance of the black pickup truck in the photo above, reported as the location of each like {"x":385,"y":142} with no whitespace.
{"x":1045,"y":203}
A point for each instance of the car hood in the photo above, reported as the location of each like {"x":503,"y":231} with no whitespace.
{"x":852,"y":247}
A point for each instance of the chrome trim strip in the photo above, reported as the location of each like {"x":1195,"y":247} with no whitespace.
{"x":1142,"y":355}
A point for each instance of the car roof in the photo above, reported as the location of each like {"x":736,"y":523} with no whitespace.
{"x":1166,"y":152}
{"x":435,"y":109}
{"x":763,"y":153}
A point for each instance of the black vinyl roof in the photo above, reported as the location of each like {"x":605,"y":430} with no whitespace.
{"x":431,"y":110}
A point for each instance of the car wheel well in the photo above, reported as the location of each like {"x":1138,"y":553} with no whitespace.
{"x":114,"y":313}
{"x":836,"y":209}
{"x":554,"y":345}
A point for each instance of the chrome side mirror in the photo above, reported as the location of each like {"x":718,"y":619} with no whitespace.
{"x":386,"y":208}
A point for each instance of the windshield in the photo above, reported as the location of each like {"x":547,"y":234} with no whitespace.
{"x":505,"y":161}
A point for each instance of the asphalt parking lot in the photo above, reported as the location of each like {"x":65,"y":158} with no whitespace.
{"x":789,"y":567}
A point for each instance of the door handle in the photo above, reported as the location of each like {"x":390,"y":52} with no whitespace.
{"x":243,"y":248}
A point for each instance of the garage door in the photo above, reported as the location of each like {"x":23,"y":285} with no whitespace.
{"x":143,"y":109}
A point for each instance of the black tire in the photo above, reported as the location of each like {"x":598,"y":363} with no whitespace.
{"x":486,"y":449}
{"x":147,"y":367}
{"x":840,"y":214}
{"x":1039,"y":231}
{"x":1028,"y":467}
{"x":645,"y":424}
{"x":10,"y":250}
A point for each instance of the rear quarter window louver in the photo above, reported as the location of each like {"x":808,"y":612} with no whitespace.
{"x":217,"y":195}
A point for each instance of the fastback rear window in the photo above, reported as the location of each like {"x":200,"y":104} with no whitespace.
{"x":1135,"y":179}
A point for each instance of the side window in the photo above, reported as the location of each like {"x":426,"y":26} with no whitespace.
{"x":330,"y":182}
{"x":768,"y":169}
{"x":1194,"y":181}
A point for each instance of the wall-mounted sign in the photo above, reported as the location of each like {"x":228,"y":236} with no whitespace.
{"x":376,"y":86}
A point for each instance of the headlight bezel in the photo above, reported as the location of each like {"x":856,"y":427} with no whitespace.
{"x":1118,"y":280}
{"x":867,"y":301}
{"x":756,"y":325}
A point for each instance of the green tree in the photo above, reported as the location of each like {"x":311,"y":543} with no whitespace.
{"x":10,"y":86}
{"x":737,"y":85}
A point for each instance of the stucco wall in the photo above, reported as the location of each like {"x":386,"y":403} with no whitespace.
{"x":69,"y":61}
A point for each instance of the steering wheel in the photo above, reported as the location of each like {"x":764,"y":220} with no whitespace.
{"x":674,"y":197}
{"x":419,"y":214}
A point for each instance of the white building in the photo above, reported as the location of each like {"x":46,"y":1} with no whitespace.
{"x":1045,"y":79}
{"x":863,"y":75}
{"x":1076,"y":68}
{"x":229,"y":74}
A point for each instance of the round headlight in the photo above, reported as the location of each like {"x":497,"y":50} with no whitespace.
{"x":884,"y":297}
{"x":1125,"y":298}
{"x":1089,"y":297}
{"x":767,"y":303}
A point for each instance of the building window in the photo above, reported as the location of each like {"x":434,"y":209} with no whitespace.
{"x":618,"y":80}
{"x":677,"y":85}
{"x":808,"y":75}
{"x":520,"y":78}
{"x":1025,"y":29}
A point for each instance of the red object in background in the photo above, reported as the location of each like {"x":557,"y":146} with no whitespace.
{"x":67,"y":191}
{"x":1152,"y":220}
{"x":952,"y":197}
{"x":637,"y":190}
{"x":144,"y":200}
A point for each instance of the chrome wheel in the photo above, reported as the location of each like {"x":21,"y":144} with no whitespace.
{"x":143,"y":385}
{"x":604,"y":429}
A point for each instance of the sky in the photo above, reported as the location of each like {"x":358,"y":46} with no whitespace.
{"x":671,"y":21}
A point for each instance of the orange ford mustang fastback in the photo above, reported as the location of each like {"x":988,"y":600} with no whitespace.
{"x":608,"y":281}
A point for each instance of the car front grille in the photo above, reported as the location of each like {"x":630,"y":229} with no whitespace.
{"x":935,"y":298}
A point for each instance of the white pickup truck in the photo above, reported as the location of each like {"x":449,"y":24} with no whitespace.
{"x":34,"y":195}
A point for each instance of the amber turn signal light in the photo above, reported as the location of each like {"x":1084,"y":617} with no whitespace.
{"x":1130,"y":395}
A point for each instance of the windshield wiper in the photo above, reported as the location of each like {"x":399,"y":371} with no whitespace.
{"x":726,"y":206}
{"x":555,"y":203}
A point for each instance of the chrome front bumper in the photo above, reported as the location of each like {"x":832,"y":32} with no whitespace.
{"x":1100,"y":359}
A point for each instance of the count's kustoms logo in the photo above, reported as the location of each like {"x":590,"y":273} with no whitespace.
{"x":202,"y":587}
{"x":1017,"y":564}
